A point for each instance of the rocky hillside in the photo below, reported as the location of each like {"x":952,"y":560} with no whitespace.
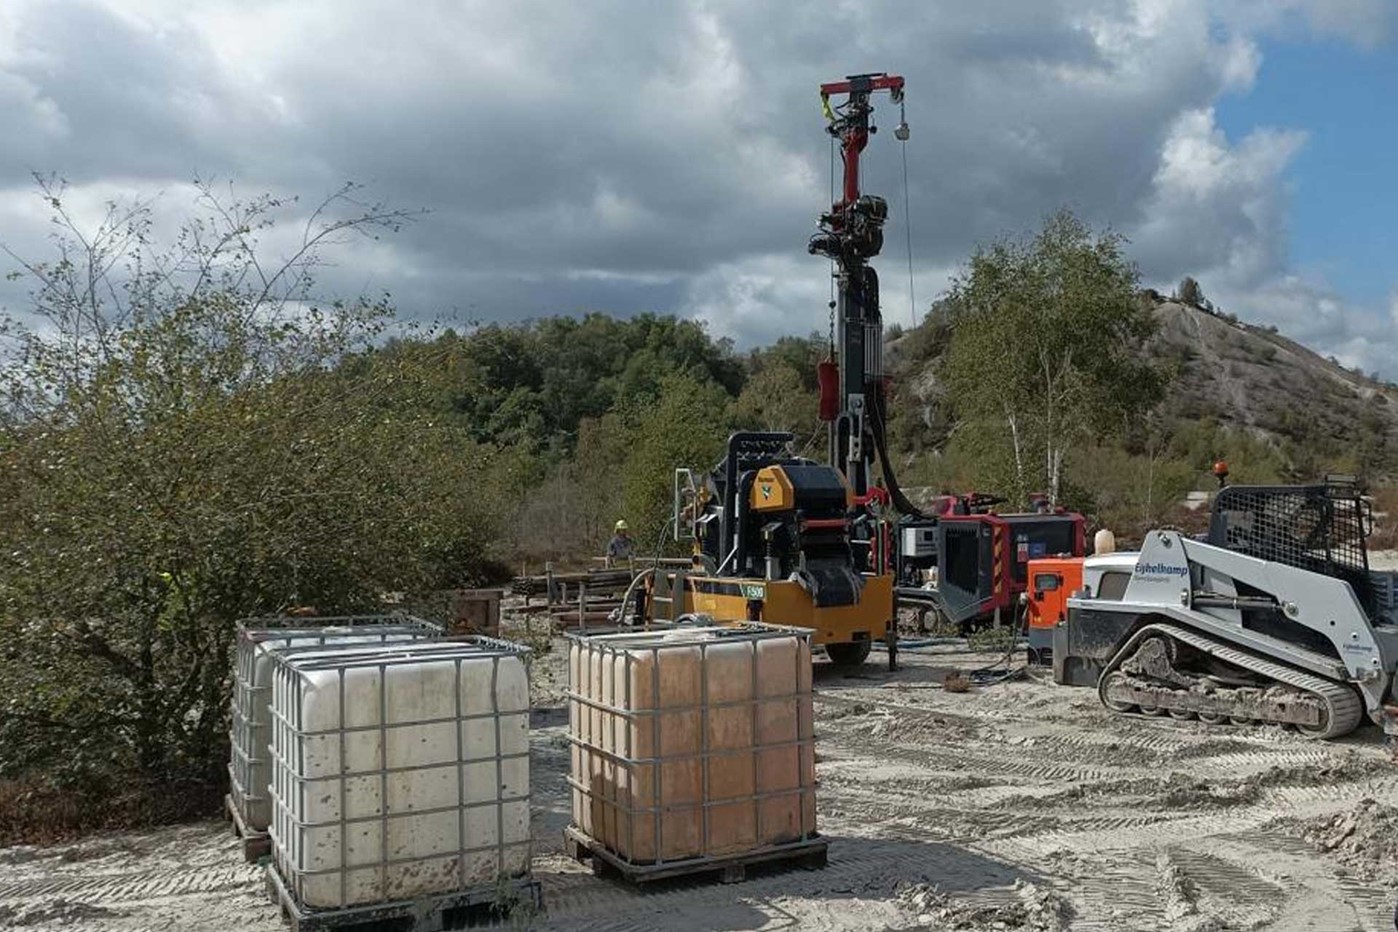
{"x":1241,"y":376}
{"x":1259,"y":380}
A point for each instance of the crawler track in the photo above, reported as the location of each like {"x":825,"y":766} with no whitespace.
{"x":1142,"y":677}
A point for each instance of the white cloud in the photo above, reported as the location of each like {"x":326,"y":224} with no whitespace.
{"x":1239,"y":63}
{"x":1217,"y":207}
{"x":670,"y":157}
{"x":1219,"y":211}
{"x":739,"y":299}
{"x":1366,"y":23}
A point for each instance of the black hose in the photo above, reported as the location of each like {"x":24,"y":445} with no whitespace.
{"x":986,"y":678}
{"x":895,"y":492}
{"x":992,"y":673}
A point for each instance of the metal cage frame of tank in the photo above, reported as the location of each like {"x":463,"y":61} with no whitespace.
{"x":243,"y":719}
{"x":647,"y":640}
{"x":316,"y":622}
{"x":293,"y":880}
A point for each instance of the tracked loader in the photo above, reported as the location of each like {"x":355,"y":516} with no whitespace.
{"x":1273,"y":617}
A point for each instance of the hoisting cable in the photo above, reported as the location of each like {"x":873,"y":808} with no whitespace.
{"x":902,"y":133}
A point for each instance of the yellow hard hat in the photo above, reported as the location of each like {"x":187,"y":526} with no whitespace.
{"x":622,"y":526}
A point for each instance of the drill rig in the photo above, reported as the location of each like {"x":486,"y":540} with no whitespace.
{"x":786,"y":539}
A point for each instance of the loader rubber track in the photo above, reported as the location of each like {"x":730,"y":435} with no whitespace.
{"x":1323,"y":708}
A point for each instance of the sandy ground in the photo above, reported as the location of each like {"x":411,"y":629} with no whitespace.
{"x":1015,"y":806}
{"x":1383,"y":560}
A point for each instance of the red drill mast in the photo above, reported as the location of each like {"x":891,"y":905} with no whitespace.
{"x":853,"y":126}
{"x":850,"y":234}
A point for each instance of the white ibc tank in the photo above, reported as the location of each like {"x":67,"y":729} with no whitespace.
{"x":249,"y":769}
{"x":400,"y":774}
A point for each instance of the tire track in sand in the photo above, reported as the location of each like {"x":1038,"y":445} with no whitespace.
{"x":136,"y":885}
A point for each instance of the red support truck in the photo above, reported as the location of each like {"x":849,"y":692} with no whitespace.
{"x":983,"y":560}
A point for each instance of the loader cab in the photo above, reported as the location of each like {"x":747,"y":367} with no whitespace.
{"x":1106,"y":576}
{"x":1320,"y":528}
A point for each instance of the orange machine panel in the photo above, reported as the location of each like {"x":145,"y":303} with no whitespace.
{"x":1051,"y":581}
{"x":772,"y":491}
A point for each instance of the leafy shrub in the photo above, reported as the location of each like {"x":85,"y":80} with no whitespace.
{"x":180,"y":450}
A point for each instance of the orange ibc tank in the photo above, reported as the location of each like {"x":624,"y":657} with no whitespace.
{"x":692,"y":743}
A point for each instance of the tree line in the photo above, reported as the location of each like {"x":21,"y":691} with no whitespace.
{"x":187,"y":437}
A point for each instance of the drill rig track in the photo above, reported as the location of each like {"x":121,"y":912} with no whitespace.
{"x":1167,"y":669}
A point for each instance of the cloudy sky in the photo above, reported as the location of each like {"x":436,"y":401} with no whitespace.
{"x":629,"y":155}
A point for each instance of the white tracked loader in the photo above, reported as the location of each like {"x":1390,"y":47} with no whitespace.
{"x":1275,"y":618}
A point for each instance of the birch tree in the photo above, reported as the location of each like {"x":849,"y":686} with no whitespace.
{"x":1047,"y":352}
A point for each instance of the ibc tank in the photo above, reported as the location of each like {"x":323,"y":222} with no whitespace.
{"x":400,"y":774}
{"x":693,"y":742}
{"x":258,"y":639}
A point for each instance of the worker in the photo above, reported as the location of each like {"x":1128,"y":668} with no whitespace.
{"x":621,"y":545}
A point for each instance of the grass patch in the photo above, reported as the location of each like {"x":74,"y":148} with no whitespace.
{"x":992,"y":640}
{"x":537,"y":636}
{"x":36,"y":812}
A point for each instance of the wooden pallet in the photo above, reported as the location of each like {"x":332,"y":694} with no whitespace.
{"x":809,"y":854}
{"x":518,"y":897}
{"x":256,"y":845}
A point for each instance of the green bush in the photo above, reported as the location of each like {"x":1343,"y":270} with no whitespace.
{"x":180,"y":451}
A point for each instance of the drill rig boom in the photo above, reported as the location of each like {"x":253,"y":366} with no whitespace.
{"x":851,"y":233}
{"x":785,"y":539}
